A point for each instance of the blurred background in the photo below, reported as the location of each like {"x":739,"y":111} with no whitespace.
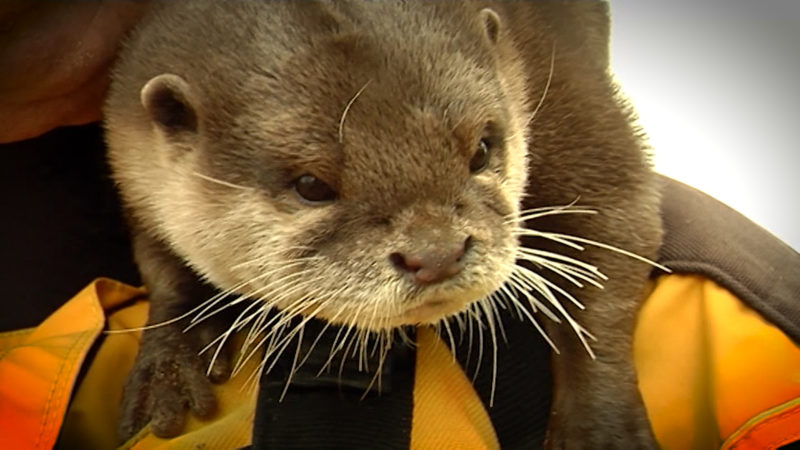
{"x":717,"y":87}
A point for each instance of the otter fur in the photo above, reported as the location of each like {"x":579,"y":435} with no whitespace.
{"x":379,"y":165}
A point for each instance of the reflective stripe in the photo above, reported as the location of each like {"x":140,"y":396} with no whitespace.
{"x":769,"y":430}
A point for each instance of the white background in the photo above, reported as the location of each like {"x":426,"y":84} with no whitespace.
{"x":717,"y":87}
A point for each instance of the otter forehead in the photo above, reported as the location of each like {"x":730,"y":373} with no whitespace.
{"x":359,"y":110}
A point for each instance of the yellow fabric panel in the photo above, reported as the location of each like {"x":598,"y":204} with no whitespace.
{"x":670,"y":356}
{"x":755,"y":365}
{"x":447,"y":411}
{"x":38,"y":368}
{"x":707,"y":364}
{"x":92,"y":417}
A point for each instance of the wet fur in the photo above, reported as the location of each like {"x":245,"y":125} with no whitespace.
{"x":269,"y":93}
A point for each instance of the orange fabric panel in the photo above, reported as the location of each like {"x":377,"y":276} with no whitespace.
{"x":447,"y":411}
{"x":770,"y":430}
{"x":707,"y":364}
{"x":38,"y":368}
{"x":92,"y":418}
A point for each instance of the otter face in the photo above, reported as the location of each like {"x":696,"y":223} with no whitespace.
{"x":363,"y":184}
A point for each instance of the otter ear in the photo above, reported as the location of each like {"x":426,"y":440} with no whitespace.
{"x":491,"y":24}
{"x":169,"y":101}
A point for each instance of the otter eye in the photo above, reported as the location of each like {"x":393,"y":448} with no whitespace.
{"x":480,"y":159}
{"x":314,"y":190}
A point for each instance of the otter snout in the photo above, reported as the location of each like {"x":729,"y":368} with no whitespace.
{"x":431,"y":262}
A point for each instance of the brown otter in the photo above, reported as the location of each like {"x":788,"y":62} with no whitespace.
{"x":378,"y":165}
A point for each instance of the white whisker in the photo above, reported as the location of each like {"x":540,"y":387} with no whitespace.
{"x":347,"y":109}
{"x":221,"y":182}
{"x":546,"y":87}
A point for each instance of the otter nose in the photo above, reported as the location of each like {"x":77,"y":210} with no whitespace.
{"x":433,"y":264}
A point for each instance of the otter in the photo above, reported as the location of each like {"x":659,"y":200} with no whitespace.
{"x":380,"y":165}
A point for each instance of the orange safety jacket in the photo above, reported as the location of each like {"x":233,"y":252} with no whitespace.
{"x":715,"y":350}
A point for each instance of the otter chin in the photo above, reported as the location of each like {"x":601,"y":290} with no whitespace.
{"x":429,"y":312}
{"x":378,"y":165}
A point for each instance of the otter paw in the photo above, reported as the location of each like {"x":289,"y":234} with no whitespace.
{"x":621,"y":431}
{"x":167,"y":379}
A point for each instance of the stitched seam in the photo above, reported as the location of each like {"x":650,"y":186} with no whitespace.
{"x":78,"y":344}
{"x":10,"y":334}
{"x":56,"y":382}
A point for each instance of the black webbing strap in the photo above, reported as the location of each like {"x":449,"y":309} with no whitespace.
{"x":704,"y":236}
{"x":523,"y":385}
{"x":332,"y":410}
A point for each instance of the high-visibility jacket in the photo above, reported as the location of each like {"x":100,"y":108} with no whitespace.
{"x":716,"y":351}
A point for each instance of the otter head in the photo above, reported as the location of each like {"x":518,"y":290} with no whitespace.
{"x":369,"y":176}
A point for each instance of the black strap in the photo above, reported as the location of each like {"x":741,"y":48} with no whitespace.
{"x":335,"y":410}
{"x":704,"y":236}
{"x":520,"y":407}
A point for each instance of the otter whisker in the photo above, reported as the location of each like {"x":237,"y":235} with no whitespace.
{"x":319,"y":336}
{"x":469,"y":322}
{"x":339,"y":345}
{"x":545,"y":287}
{"x":164,"y":323}
{"x":487,"y":309}
{"x":404,"y":338}
{"x":450,"y":336}
{"x":555,"y":211}
{"x":237,"y":324}
{"x":546,"y":235}
{"x":221,"y":182}
{"x":480,"y":340}
{"x":560,"y":270}
{"x":280,"y":346}
{"x":275,"y":332}
{"x":347,"y":109}
{"x":524,"y":286}
{"x":294,"y":364}
{"x":327,"y":322}
{"x":546,"y":87}
{"x":288,"y":314}
{"x":509,"y":297}
{"x":533,"y":320}
{"x":537,"y":281}
{"x":252,"y":334}
{"x":386,"y":345}
{"x":594,"y":270}
{"x":353,"y":340}
{"x":202,"y":314}
{"x":264,"y":258}
{"x":541,"y":209}
{"x":573,"y":241}
{"x":264,"y":322}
